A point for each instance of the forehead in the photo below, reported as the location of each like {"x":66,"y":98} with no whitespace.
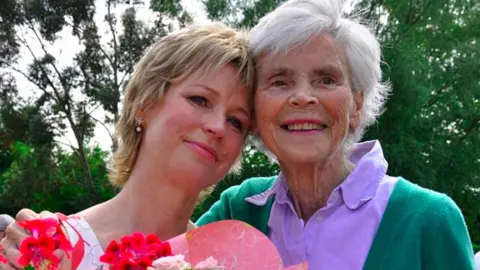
{"x":226,"y":76}
{"x":318,"y":53}
{"x":225,"y":82}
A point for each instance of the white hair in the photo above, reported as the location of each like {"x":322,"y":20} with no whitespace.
{"x":296,"y":22}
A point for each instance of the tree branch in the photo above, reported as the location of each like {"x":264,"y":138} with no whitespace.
{"x":420,"y":15}
{"x":60,"y":77}
{"x":467,"y":130}
{"x":59,"y":98}
{"x":50,"y":82}
{"x":435,"y":96}
{"x":104,"y":126}
{"x":114,"y":39}
{"x":100,"y":47}
{"x":67,"y":145}
{"x":30,"y":79}
{"x":409,"y":13}
{"x":62,"y":133}
{"x":124,"y":77}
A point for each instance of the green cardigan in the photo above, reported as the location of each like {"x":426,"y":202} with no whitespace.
{"x":420,"y":229}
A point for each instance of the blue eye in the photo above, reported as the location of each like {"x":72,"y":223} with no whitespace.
{"x":235,"y":123}
{"x":199,"y":100}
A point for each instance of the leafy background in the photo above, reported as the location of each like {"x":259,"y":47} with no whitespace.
{"x":429,"y":131}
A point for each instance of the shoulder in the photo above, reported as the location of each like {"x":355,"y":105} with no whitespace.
{"x":233,"y":203}
{"x":423,"y":199}
{"x":249,"y":187}
{"x":434,"y":212}
{"x":86,"y":248}
{"x":443,"y":232}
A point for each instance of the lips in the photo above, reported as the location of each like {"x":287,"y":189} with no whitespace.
{"x":203,"y":149}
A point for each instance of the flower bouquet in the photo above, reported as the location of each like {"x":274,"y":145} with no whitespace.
{"x":148,"y":253}
{"x":225,"y":245}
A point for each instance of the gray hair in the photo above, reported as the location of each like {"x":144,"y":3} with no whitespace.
{"x":5,"y":220}
{"x":295,"y":22}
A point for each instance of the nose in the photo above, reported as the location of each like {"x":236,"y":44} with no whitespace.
{"x":215,"y":124}
{"x":302,"y":97}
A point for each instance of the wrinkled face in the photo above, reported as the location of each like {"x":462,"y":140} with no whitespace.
{"x":198,"y":127}
{"x":304,"y":103}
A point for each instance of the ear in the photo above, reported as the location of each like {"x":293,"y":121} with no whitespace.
{"x":356,"y":112}
{"x":142,"y":110}
{"x":140,"y":113}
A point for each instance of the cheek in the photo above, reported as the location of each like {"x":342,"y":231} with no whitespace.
{"x":267,"y":110}
{"x":337,"y":104}
{"x":233,"y":146}
{"x":173,"y":119}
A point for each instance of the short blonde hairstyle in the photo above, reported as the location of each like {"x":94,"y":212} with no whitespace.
{"x":174,"y":57}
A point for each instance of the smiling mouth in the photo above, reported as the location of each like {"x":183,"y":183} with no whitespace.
{"x":305,"y":127}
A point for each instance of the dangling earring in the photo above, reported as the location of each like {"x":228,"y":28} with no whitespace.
{"x":138,"y":125}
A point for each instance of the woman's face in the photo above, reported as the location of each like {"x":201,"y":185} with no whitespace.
{"x":199,"y":126}
{"x":304,"y":103}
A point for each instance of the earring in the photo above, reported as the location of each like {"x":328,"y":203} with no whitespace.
{"x":138,"y":125}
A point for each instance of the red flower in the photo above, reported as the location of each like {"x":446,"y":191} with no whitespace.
{"x":2,"y":259}
{"x":37,"y":250}
{"x":37,"y":227}
{"x":135,"y":252}
{"x":47,"y":236}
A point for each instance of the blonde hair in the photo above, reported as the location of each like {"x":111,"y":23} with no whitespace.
{"x":172,"y":58}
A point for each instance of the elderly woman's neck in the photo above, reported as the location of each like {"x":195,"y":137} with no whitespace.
{"x":311,"y":184}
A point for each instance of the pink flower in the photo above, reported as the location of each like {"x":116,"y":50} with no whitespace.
{"x":176,"y":262}
{"x":208,"y":264}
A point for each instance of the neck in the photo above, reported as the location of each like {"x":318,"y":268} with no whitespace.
{"x":311,"y":184}
{"x":147,"y":204}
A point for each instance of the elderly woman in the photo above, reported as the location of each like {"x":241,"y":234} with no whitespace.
{"x":333,"y":204}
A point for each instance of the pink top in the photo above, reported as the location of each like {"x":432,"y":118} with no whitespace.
{"x":86,"y":248}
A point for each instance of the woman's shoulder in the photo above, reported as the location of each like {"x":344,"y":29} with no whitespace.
{"x":249,"y":187}
{"x":414,"y":193}
{"x":424,"y":205}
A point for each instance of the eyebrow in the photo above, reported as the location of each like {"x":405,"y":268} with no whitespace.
{"x":216,"y":93}
{"x":332,"y":69}
{"x":278,"y":71}
{"x":242,"y":110}
{"x":285,"y":71}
